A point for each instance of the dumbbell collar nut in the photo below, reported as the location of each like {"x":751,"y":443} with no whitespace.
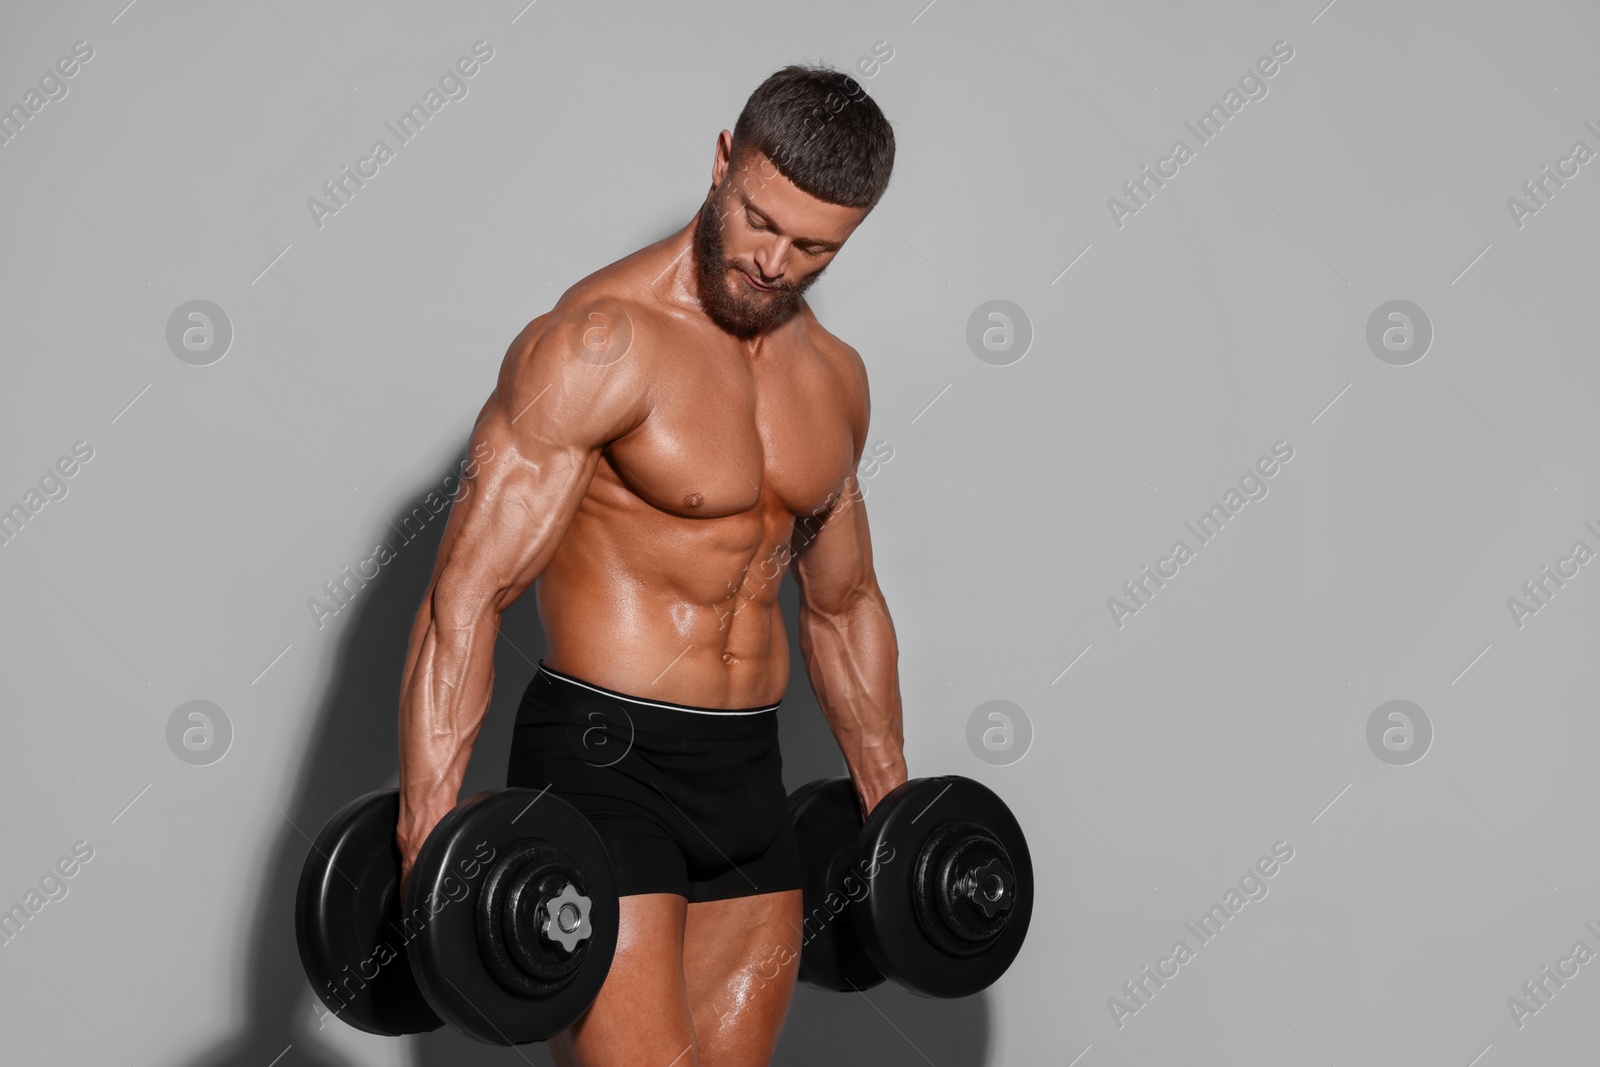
{"x":564,"y":918}
{"x":990,"y":886}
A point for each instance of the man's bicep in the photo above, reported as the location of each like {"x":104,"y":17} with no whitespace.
{"x":834,"y":564}
{"x":508,"y":518}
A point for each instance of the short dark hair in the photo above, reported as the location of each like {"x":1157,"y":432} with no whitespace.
{"x":822,"y":131}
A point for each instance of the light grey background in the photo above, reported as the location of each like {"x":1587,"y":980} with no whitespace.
{"x":1228,"y":314}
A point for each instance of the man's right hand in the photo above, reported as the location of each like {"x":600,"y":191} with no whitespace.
{"x":412,"y":830}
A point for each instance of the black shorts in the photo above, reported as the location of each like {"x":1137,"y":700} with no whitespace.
{"x":687,"y":800}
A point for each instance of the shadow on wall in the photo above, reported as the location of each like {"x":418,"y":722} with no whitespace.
{"x":353,"y":749}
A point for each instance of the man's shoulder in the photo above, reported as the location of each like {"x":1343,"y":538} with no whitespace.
{"x":587,"y":356}
{"x":595,"y":324}
{"x":848,"y":369}
{"x":835,"y":352}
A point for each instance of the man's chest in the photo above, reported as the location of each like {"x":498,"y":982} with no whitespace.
{"x":726,"y":437}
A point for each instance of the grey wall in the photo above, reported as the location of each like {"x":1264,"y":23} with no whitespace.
{"x":1154,"y":756}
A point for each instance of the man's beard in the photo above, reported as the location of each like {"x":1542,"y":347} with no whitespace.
{"x":741,"y":310}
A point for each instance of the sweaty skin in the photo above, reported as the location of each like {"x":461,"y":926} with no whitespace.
{"x":664,"y":443}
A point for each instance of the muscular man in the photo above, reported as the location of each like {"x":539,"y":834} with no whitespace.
{"x":663,"y":443}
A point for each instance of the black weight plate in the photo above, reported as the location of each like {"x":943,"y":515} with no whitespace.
{"x":445,"y":892}
{"x":901,"y":826}
{"x":827,"y":822}
{"x":346,"y":921}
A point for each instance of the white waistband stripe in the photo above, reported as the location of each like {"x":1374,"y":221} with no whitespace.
{"x":651,"y":703}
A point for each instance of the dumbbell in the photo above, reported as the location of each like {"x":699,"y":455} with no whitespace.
{"x":935,"y":891}
{"x":507,"y":929}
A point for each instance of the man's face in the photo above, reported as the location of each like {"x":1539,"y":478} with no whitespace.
{"x":760,"y":242}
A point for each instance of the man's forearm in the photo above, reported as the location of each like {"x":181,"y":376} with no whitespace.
{"x":852,"y":659}
{"x":444,"y":696}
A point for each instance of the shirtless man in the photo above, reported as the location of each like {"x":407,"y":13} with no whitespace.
{"x":663,"y":443}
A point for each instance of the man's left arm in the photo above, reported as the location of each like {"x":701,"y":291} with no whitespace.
{"x":848,"y":642}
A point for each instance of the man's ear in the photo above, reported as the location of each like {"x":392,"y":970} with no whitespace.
{"x":722,"y":159}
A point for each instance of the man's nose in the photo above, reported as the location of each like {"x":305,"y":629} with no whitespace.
{"x":770,"y":260}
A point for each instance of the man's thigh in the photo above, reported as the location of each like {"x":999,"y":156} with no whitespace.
{"x":740,"y":959}
{"x":642,"y":1013}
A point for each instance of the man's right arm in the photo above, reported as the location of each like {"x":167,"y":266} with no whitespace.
{"x":555,"y":407}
